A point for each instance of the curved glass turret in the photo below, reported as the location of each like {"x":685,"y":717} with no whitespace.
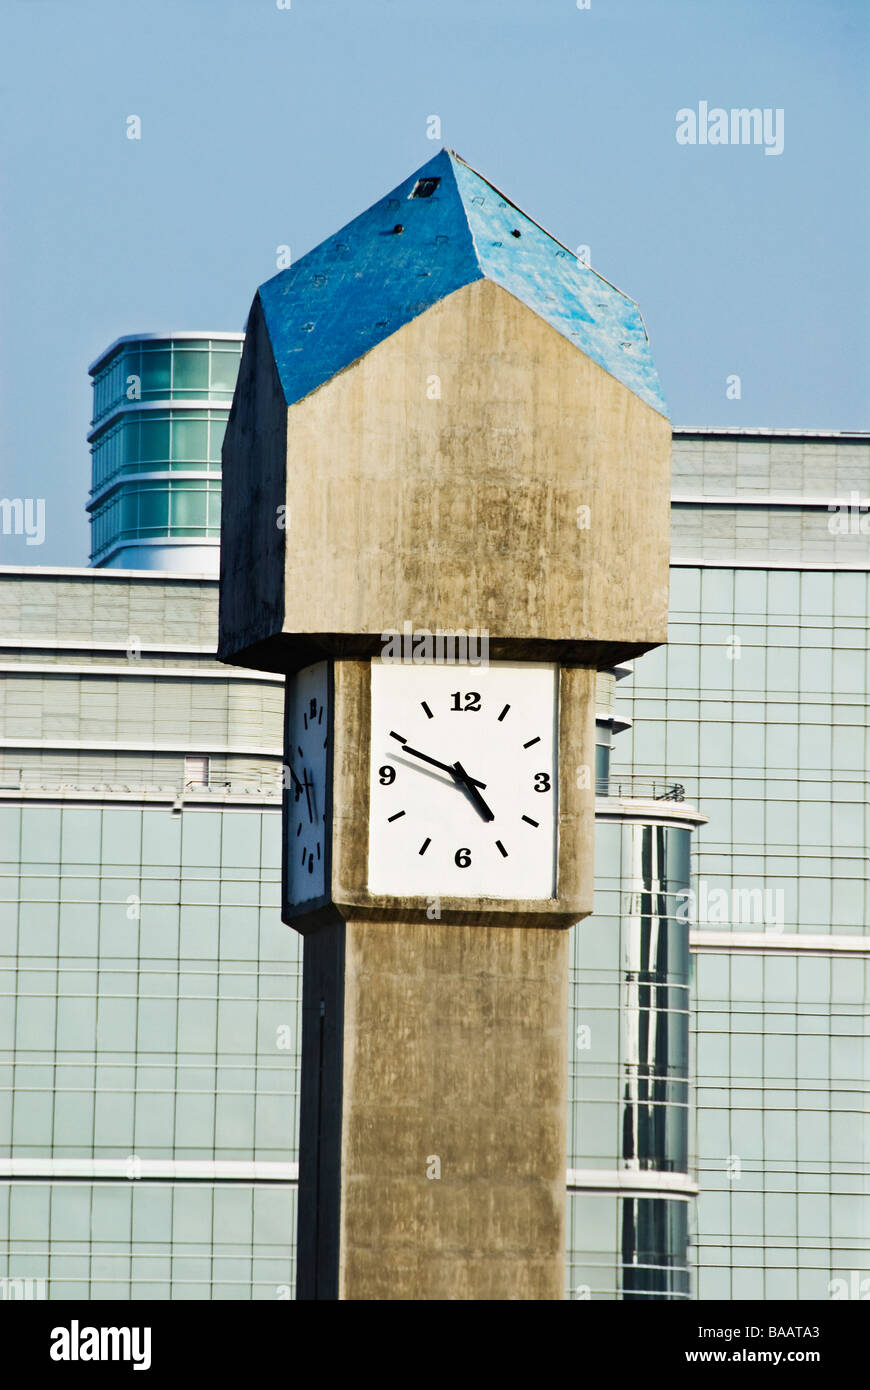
{"x":161,"y":403}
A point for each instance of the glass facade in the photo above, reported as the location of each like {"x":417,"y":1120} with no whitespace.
{"x":156,"y":369}
{"x":783,"y":1133}
{"x":148,"y":990}
{"x":157,"y":441}
{"x":160,"y":413}
{"x":149,"y":1012}
{"x":152,"y":977}
{"x":759,"y":703}
{"x":145,"y":510}
{"x":145,"y":1240}
{"x":629,"y":1122}
{"x":718,"y":1135}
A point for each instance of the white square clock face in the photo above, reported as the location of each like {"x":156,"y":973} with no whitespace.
{"x":464,"y":763}
{"x":307,"y":732}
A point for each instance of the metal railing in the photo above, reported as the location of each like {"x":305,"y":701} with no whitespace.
{"x":43,"y":777}
{"x":630,"y":784}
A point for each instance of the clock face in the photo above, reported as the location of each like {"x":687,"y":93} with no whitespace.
{"x":463,"y":799}
{"x":307,"y":735}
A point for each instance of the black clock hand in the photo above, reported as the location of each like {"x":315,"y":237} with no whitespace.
{"x":471,"y":786}
{"x":296,"y":780}
{"x":308,"y":798}
{"x":445,"y":767}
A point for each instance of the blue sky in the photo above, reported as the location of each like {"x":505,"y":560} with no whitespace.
{"x":263,"y":126}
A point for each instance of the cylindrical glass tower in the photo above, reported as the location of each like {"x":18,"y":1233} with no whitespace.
{"x":161,"y":402}
{"x":630,"y":1184}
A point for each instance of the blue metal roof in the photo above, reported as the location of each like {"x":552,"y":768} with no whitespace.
{"x":359,"y":286}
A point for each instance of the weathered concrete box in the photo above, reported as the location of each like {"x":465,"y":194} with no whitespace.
{"x":442,"y":400}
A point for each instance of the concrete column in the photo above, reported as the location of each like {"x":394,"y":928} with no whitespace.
{"x":434,"y":1104}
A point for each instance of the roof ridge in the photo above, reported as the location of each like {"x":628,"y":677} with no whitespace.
{"x":442,"y":227}
{"x":453,"y":154}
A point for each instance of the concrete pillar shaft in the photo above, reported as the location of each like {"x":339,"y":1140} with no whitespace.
{"x":438,"y":1163}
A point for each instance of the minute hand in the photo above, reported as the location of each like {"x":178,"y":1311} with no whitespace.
{"x":445,"y":767}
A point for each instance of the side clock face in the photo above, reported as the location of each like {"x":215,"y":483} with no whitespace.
{"x":307,"y":736}
{"x":464,"y":765}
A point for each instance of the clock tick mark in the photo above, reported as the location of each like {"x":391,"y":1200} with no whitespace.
{"x":529,"y":821}
{"x":299,"y":751}
{"x":429,"y":714}
{"x":305,"y":717}
{"x":320,"y":715}
{"x":398,"y":737}
{"x":425,"y":845}
{"x":503,"y":713}
{"x":299,"y":830}
{"x":532,"y":741}
{"x":499,"y":846}
{"x":396,"y":816}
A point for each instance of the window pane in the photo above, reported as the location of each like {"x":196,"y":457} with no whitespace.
{"x":224,"y":370}
{"x":129,"y":509}
{"x":190,"y":441}
{"x":218,"y":430}
{"x":155,"y":373}
{"x":190,"y":371}
{"x":153,"y":509}
{"x":188,"y":506}
{"x":154,"y":440}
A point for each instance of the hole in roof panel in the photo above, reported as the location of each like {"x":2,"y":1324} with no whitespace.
{"x":424,"y":188}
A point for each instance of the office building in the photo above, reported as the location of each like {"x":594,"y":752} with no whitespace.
{"x":149,"y":1025}
{"x":161,"y":403}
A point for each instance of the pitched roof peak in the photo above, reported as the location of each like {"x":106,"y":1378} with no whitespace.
{"x":443,"y":227}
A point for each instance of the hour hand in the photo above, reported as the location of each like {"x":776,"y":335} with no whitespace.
{"x":471,"y":787}
{"x":445,"y":767}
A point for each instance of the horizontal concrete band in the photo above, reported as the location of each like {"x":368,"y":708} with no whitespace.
{"x":9,"y":642}
{"x":89,"y":572}
{"x":647,"y":810}
{"x":714,"y":433}
{"x":161,"y":796}
{"x":75,"y":745}
{"x":632,"y":1184}
{"x":136,"y":670}
{"x":811,"y":943}
{"x":739,"y":563}
{"x":742,"y":499}
{"x":220,"y":336}
{"x":162,"y":1169}
{"x":133,"y":1168}
{"x":132,"y":474}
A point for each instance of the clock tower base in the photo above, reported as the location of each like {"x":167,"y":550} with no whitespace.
{"x":433,"y":1112}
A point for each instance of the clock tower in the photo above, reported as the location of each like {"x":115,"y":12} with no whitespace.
{"x":446,"y":506}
